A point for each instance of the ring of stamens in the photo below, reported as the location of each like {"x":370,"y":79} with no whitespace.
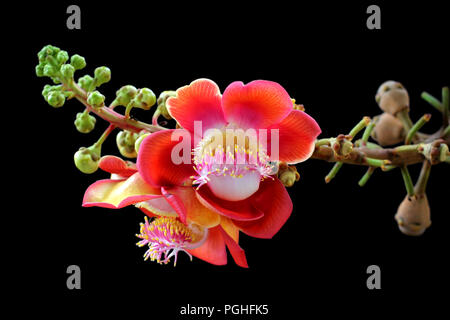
{"x":166,"y":237}
{"x":229,"y":153}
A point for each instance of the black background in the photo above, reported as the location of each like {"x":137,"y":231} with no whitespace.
{"x":327,"y":59}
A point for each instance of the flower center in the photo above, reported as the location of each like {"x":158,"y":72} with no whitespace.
{"x":166,"y":236}
{"x":231,"y":162}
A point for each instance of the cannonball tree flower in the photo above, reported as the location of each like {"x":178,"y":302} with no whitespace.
{"x":230,"y":178}
{"x":228,"y":187}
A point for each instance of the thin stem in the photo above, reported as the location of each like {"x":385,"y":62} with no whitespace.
{"x":421,"y":183}
{"x":108,"y":114}
{"x":446,"y":131}
{"x":432,"y":100}
{"x":407,"y":180}
{"x":445,"y":104}
{"x":403,"y":116}
{"x":374,"y":162}
{"x":156,"y":116}
{"x":366,"y":176}
{"x":105,"y":135}
{"x":367,"y":133}
{"x":416,"y":127}
{"x":337,"y":166}
{"x":361,"y":125}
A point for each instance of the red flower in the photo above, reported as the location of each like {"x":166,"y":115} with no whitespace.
{"x":234,"y":187}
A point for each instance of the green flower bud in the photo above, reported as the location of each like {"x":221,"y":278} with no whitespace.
{"x":139,"y":140}
{"x":96,"y":99}
{"x":47,"y":51}
{"x":102,"y":75}
{"x":62,"y":57}
{"x":48,"y":70}
{"x":87,"y":159}
{"x":125,"y":94}
{"x":84,"y":122}
{"x":40,"y":70}
{"x":46,"y":90}
{"x":86,"y":83}
{"x":67,"y":70}
{"x":144,"y":99}
{"x":162,"y":103}
{"x":78,"y":62}
{"x":56,"y":99}
{"x":125,"y":143}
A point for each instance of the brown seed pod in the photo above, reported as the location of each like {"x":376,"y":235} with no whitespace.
{"x":392,"y":97}
{"x":413,"y":215}
{"x":388,"y":130}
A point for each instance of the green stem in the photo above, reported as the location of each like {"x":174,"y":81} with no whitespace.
{"x":361,"y":125}
{"x":445,"y":104}
{"x":105,"y":135}
{"x":432,"y":100}
{"x":446,"y":131}
{"x":367,"y":133}
{"x":374,"y":162}
{"x":407,"y":180}
{"x":366,"y":176}
{"x":416,"y":127}
{"x":323,"y":142}
{"x":421,"y":183}
{"x":337,"y":166}
{"x":403,"y":116}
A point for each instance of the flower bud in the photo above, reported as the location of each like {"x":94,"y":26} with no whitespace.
{"x":86,"y":83}
{"x":144,"y":99}
{"x":78,"y":62}
{"x":40,"y":70}
{"x":84,"y":122}
{"x":125,"y":94}
{"x":87,"y":159}
{"x":388,"y":130}
{"x":48,"y":70}
{"x":288,"y":175}
{"x":67,"y":70}
{"x":392,"y":97}
{"x":125,"y":143}
{"x":96,"y":99}
{"x":56,"y":99}
{"x":413,"y":215}
{"x":46,"y":51}
{"x":62,"y":57}
{"x":139,"y":140}
{"x":162,"y":99}
{"x":102,"y":75}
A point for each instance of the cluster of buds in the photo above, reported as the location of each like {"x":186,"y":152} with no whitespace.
{"x":55,"y":63}
{"x":393,"y":99}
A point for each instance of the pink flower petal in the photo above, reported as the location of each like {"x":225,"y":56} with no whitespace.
{"x":155,"y":162}
{"x":237,"y":210}
{"x":157,"y":207}
{"x":184,"y":200}
{"x":199,"y":101}
{"x":116,"y":165}
{"x":256,"y":105}
{"x":117,"y":194}
{"x":272,"y":199}
{"x":236,"y":251}
{"x":213,"y":250}
{"x":296,"y":137}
